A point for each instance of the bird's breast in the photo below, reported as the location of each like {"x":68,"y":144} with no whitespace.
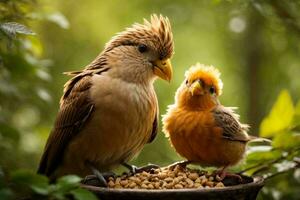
{"x":196,"y":137}
{"x":121,"y":122}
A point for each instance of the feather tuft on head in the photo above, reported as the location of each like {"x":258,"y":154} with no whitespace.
{"x":156,"y":33}
{"x":209,"y":74}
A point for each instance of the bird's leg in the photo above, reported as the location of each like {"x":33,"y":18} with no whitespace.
{"x":222,"y":173}
{"x":98,"y":178}
{"x":134,"y":169}
{"x":182,"y":164}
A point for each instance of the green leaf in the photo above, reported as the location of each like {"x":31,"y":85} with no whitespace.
{"x":67,"y":183}
{"x":6,"y":194}
{"x":59,"y":196}
{"x":40,"y":189}
{"x":55,"y":193}
{"x":12,"y":28}
{"x":82,"y":194}
{"x":59,"y":19}
{"x":280,"y":117}
{"x":38,"y":183}
{"x":69,"y":179}
{"x":286,"y":140}
{"x":258,"y":156}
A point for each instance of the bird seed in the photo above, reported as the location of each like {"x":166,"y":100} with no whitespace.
{"x":166,"y":178}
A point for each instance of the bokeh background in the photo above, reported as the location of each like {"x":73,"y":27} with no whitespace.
{"x":254,"y":43}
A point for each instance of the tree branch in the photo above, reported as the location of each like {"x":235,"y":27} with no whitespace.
{"x":296,"y":166}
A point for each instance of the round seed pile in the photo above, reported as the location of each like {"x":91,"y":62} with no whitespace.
{"x":166,"y":178}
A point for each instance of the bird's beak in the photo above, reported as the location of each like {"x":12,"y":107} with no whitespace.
{"x":163,"y":69}
{"x":196,"y":88}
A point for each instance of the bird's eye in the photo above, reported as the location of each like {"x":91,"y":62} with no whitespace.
{"x":186,"y":81}
{"x":142,"y":48}
{"x":212,"y":90}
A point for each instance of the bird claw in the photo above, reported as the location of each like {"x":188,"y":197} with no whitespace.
{"x":224,"y":175}
{"x":94,"y":181}
{"x":134,"y":169}
{"x":98,"y":179}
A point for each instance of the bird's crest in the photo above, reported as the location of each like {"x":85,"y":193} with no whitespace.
{"x":155,"y":32}
{"x":209,"y":74}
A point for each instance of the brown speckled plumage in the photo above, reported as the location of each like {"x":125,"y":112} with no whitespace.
{"x":109,"y":110}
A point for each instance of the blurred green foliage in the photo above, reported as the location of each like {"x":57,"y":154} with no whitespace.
{"x":20,"y":66}
{"x":26,"y":184}
{"x":254,"y":43}
{"x":23,"y":96}
{"x":280,"y":117}
{"x":283,"y":156}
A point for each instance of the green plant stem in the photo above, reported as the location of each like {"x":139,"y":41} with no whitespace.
{"x":296,"y":166}
{"x":264,"y":166}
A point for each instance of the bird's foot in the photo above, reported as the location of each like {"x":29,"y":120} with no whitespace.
{"x":222,"y":174}
{"x":134,"y":169}
{"x":97,"y":179}
{"x":182,"y":164}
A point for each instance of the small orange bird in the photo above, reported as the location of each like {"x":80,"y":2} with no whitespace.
{"x":199,"y":127}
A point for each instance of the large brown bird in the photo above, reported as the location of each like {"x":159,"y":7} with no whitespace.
{"x":200,"y":128}
{"x":109,"y":110}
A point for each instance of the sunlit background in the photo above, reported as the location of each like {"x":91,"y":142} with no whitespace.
{"x":257,"y":56}
{"x":255,"y":45}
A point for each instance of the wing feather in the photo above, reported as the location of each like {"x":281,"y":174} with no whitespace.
{"x":229,"y":122}
{"x":76,"y":108}
{"x":154,"y":128}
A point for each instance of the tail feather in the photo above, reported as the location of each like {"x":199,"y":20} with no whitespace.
{"x":72,"y":73}
{"x":258,"y":139}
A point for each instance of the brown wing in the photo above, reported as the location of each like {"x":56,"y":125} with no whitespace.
{"x":75,"y":109}
{"x":229,"y":122}
{"x":154,"y":128}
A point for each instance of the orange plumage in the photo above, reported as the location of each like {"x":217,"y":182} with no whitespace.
{"x":199,"y":127}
